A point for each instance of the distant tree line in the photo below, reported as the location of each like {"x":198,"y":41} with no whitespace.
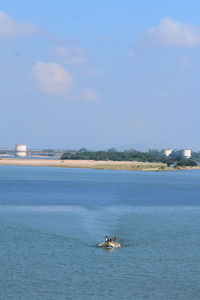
{"x":112,"y":154}
{"x":196,"y":156}
{"x":3,"y":152}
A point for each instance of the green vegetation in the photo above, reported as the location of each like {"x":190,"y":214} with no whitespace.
{"x":175,"y":159}
{"x":196,"y":156}
{"x":3,"y":152}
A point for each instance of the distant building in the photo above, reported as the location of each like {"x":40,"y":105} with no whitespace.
{"x":20,"y":150}
{"x":167,"y":152}
{"x":187,"y":153}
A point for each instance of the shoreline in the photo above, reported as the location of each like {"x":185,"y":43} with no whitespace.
{"x":91,"y":164}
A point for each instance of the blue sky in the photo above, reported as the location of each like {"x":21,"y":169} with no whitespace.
{"x":100,"y":74}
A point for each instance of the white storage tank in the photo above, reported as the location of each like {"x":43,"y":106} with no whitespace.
{"x":167,"y":152}
{"x":20,"y":150}
{"x":187,"y":153}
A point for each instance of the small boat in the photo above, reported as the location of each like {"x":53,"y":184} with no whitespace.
{"x":110,"y":245}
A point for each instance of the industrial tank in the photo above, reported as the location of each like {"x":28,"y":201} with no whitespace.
{"x":167,"y":152}
{"x":187,"y":153}
{"x":20,"y":150}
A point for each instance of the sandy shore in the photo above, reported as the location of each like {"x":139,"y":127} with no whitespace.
{"x":89,"y":164}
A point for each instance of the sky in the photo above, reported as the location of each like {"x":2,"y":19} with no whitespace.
{"x":100,"y":74}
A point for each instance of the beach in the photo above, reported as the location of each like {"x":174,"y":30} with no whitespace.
{"x":91,"y":164}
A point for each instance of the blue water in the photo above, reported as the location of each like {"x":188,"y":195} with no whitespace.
{"x":51,"y":220}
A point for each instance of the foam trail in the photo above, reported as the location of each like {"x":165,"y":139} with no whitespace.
{"x":43,"y":208}
{"x":103,"y":221}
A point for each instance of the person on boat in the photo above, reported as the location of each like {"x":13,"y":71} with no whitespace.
{"x":107,"y":239}
{"x":113,"y":240}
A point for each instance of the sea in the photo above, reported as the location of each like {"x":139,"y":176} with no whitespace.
{"x":51,"y":220}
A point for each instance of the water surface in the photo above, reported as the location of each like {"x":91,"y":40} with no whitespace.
{"x":52,"y":218}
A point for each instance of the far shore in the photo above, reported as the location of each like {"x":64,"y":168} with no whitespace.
{"x":91,"y":164}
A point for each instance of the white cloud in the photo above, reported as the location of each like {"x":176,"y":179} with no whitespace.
{"x":10,"y":28}
{"x":53,"y":78}
{"x":89,"y":95}
{"x":173,"y":33}
{"x":74,"y":56}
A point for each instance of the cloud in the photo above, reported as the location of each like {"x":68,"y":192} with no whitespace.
{"x":89,"y":95}
{"x":10,"y":28}
{"x":53,"y":78}
{"x":173,"y":33}
{"x":74,"y":56}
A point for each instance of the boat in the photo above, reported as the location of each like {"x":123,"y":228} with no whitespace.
{"x":110,"y":244}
